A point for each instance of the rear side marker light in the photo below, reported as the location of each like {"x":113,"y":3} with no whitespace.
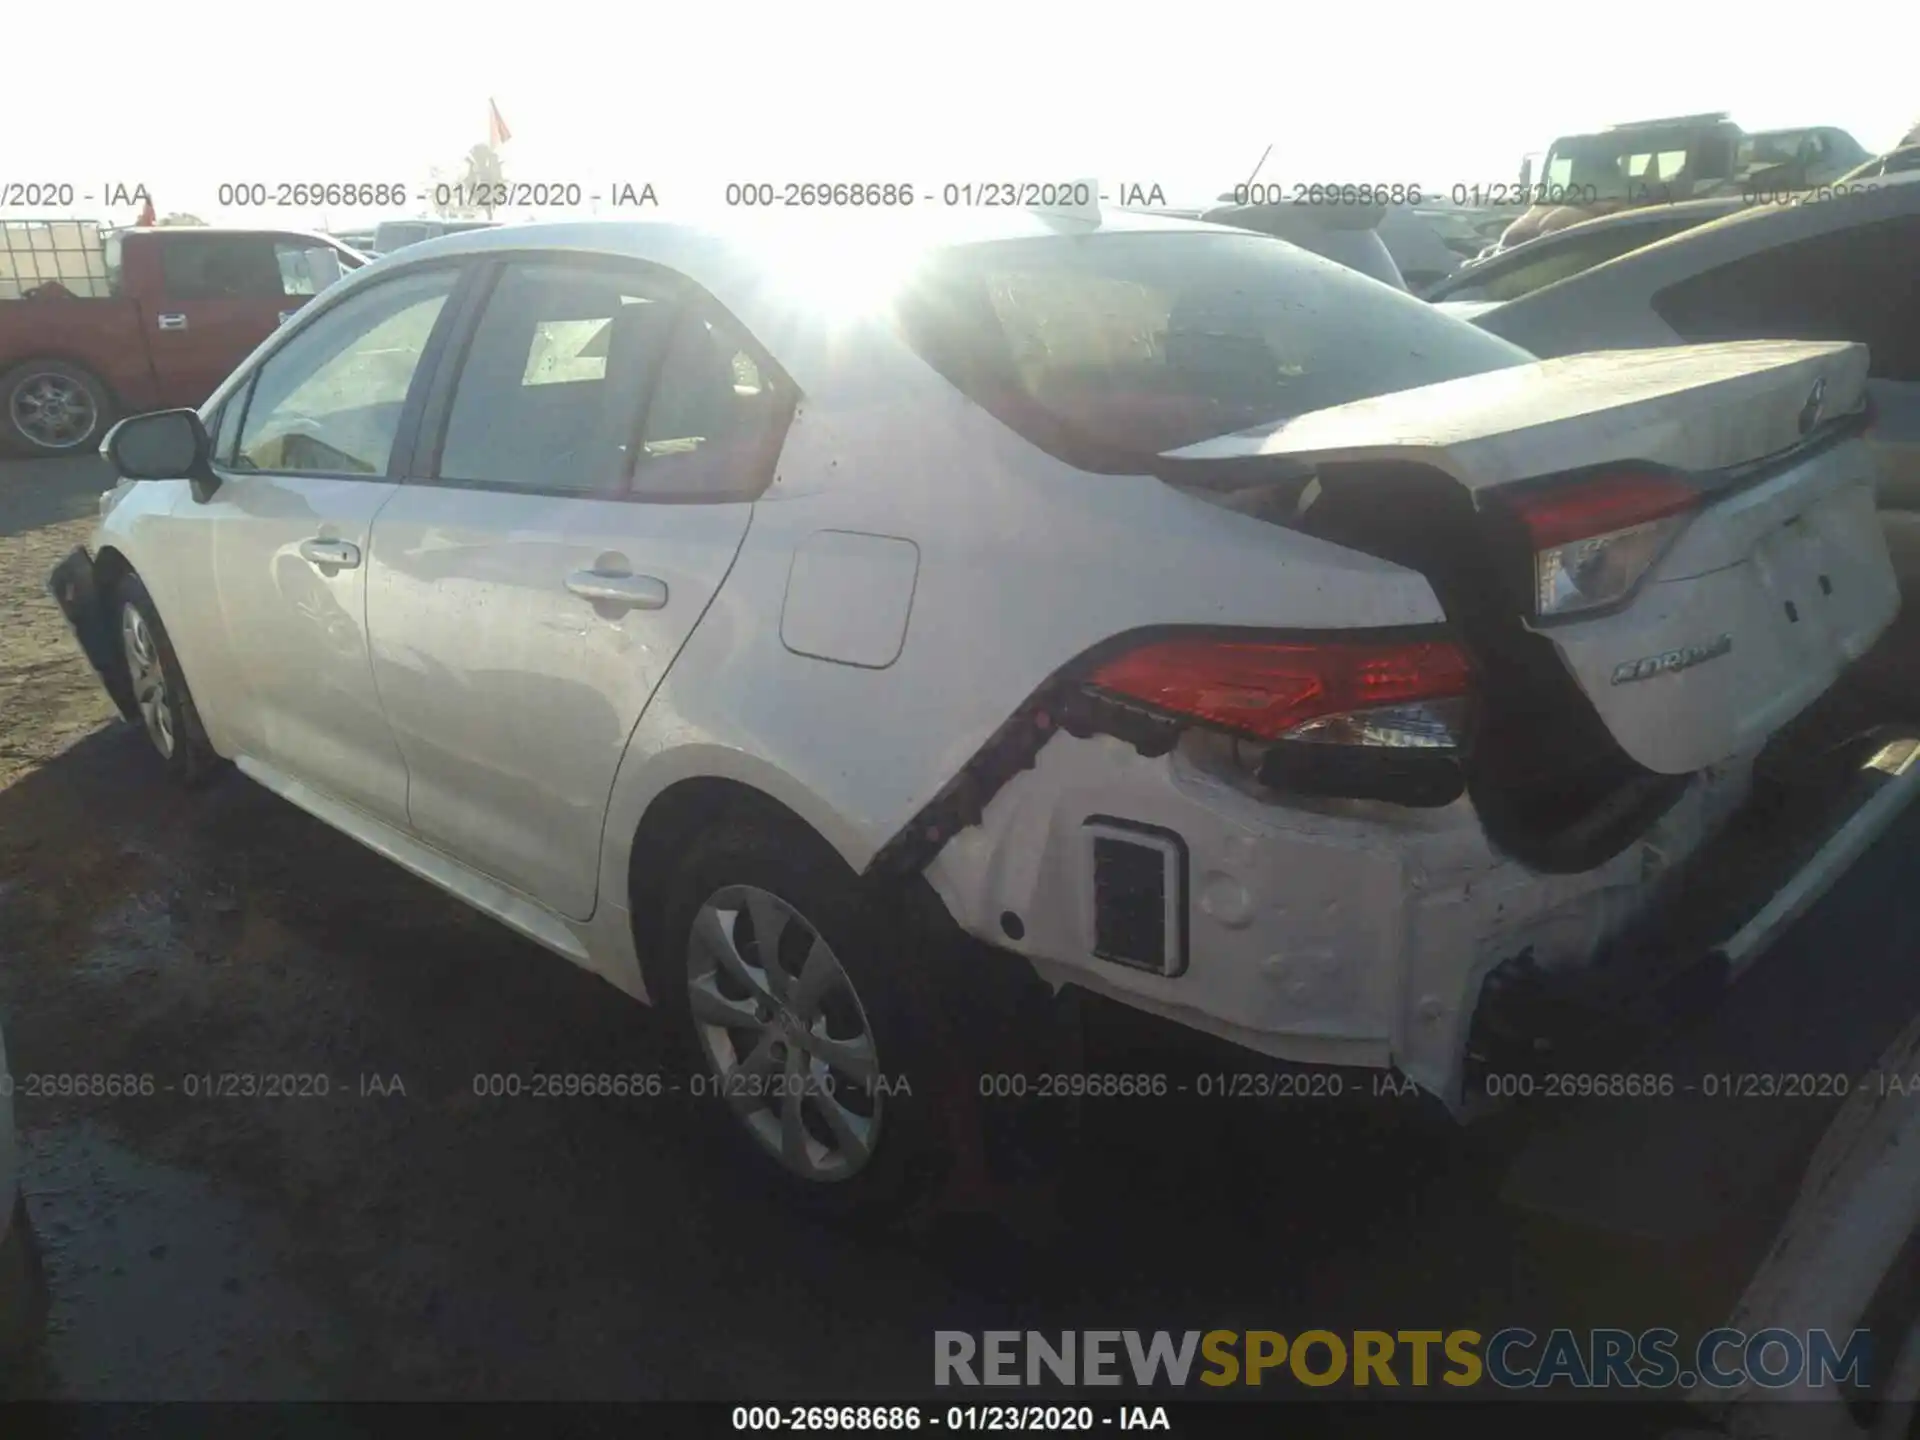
{"x":1594,"y":539}
{"x":1409,"y":694}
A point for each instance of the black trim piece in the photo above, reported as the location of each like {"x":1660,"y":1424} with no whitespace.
{"x":76,"y":588}
{"x":400,"y":456}
{"x":1174,"y":965}
{"x":430,"y":395}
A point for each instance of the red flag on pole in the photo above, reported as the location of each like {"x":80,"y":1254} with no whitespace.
{"x":147,"y":216}
{"x":497,"y":132}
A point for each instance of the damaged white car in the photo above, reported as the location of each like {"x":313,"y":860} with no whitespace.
{"x":778,"y":624}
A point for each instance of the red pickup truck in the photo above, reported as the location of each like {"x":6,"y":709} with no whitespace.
{"x":98,"y":324}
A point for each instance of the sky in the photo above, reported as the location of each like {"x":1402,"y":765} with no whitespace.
{"x":190,"y":94}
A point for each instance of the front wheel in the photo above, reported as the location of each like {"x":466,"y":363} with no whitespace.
{"x":165,"y":707}
{"x":51,"y":407}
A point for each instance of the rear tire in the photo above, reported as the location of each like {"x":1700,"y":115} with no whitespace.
{"x":51,"y":408}
{"x":163,"y":704}
{"x":816,"y":1053}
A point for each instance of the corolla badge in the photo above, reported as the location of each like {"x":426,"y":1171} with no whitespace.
{"x":1666,"y":663}
{"x":1811,"y":411}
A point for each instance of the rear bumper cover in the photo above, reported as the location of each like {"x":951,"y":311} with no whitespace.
{"x":1335,"y":932}
{"x":1361,"y":935}
{"x":76,"y":588}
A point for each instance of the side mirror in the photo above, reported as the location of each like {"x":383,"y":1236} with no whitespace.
{"x":165,"y":445}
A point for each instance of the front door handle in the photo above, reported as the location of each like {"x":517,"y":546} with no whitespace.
{"x":341,"y":553}
{"x":637,"y":592}
{"x":172,"y":322}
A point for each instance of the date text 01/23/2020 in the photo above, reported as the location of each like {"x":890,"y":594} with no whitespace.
{"x":649,"y":1085}
{"x":971,"y":194}
{"x":462,"y":195}
{"x":1066,"y":1419}
{"x":200,"y":1085}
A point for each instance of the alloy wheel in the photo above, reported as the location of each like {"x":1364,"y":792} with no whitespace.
{"x":785,"y":1034}
{"x":149,"y":680}
{"x":54,"y":411}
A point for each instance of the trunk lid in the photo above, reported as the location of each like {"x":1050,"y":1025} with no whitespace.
{"x":1777,"y":580}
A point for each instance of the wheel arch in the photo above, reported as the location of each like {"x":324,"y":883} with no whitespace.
{"x":684,"y":806}
{"x":110,"y":567}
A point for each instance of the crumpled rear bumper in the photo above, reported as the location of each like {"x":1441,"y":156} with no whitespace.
{"x":75,"y":586}
{"x":1336,"y":933}
{"x":1709,"y":921}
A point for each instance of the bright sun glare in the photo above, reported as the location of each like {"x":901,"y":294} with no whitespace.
{"x":848,"y":271}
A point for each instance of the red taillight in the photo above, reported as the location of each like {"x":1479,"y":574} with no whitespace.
{"x":1582,"y":509}
{"x":1268,"y":688}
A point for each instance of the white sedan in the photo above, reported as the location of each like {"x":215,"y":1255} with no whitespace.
{"x":799,"y":627}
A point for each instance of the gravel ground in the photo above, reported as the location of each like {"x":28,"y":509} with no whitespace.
{"x":401,"y":1237}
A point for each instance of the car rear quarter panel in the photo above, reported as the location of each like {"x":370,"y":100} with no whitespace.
{"x":1024,"y":563}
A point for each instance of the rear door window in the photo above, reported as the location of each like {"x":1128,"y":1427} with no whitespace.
{"x":1861,"y":283}
{"x":219,"y":267}
{"x":550,"y":395}
{"x":306,"y":267}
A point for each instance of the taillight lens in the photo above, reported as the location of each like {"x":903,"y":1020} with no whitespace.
{"x":1399,"y":693}
{"x":1592,"y":540}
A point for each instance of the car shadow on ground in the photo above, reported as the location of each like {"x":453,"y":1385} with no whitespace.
{"x":490,"y":1245}
{"x":456,"y":1243}
{"x":34,"y":493}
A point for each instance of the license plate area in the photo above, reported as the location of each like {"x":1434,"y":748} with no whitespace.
{"x":1825,"y":572}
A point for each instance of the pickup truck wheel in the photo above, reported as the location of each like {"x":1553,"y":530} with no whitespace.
{"x":165,"y":706}
{"x":48,"y":407}
{"x":801,"y":1034}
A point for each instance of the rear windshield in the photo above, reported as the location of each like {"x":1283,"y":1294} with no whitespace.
{"x":1628,"y":164}
{"x":1107,"y":348}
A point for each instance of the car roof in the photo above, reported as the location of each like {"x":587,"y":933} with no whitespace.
{"x":711,"y":250}
{"x":736,"y":260}
{"x":1747,"y":231}
{"x":293,"y":230}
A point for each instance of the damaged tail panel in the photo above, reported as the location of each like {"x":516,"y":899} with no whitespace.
{"x":1648,"y":565}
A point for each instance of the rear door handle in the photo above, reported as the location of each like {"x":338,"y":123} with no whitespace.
{"x":173,"y":322}
{"x":339,"y":553}
{"x":637,"y":592}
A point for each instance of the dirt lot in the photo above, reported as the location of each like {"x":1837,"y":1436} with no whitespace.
{"x":403,"y":1238}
